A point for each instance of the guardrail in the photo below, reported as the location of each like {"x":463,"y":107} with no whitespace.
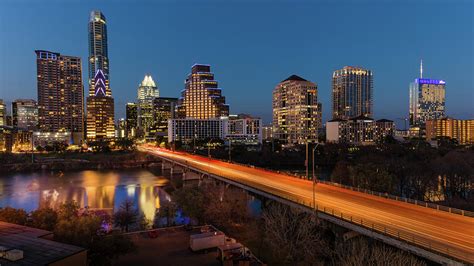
{"x":375,"y":193}
{"x":403,"y":199}
{"x":412,"y":239}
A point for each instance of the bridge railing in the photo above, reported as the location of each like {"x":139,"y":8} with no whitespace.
{"x":413,"y":239}
{"x":375,"y":193}
{"x":403,"y":199}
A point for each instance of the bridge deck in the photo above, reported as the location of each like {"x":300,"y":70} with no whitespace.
{"x":441,"y":232}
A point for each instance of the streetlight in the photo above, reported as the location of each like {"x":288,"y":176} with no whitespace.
{"x":209,"y":148}
{"x":230,"y":147}
{"x":314,"y":180}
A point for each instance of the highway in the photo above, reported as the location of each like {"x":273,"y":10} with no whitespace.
{"x":442,"y":232}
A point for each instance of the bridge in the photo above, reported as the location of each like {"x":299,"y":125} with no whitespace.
{"x":439,"y":236}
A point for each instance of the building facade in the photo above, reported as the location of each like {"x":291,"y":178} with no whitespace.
{"x":427,"y":101}
{"x":460,"y":130}
{"x":244,"y":130}
{"x":100,"y":104}
{"x":164,"y":109}
{"x":202,"y":98}
{"x":186,"y":130}
{"x":60,"y":94}
{"x":131,"y":119}
{"x":25,"y":114}
{"x":146,"y":93}
{"x":3,"y":113}
{"x":100,"y":112}
{"x":352,"y":92}
{"x":98,"y":51}
{"x":359,"y":130}
{"x":267,"y":132}
{"x":296,"y":111}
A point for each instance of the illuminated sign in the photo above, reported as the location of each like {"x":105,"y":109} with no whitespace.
{"x":99,"y":86}
{"x":430,"y":81}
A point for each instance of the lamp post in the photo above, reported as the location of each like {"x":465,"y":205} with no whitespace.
{"x":209,"y":148}
{"x":314,"y":180}
{"x":230,"y":148}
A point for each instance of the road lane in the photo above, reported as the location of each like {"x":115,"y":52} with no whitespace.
{"x":442,"y":230}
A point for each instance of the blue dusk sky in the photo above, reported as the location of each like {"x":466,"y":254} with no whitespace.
{"x":251,"y":46}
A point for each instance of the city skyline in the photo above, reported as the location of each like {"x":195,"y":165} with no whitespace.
{"x":391,"y":79}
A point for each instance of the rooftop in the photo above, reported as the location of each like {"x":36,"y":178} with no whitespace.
{"x":294,"y":77}
{"x":36,"y":250}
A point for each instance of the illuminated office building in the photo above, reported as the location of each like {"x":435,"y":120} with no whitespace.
{"x":296,"y":111}
{"x":187,"y":130}
{"x":3,"y":113}
{"x":146,"y":93}
{"x":460,"y":130}
{"x":98,"y":51}
{"x":131,"y":119}
{"x":427,"y":100}
{"x":164,"y":109}
{"x":360,"y":130}
{"x":202,"y":98}
{"x":60,"y":94}
{"x":25,"y":114}
{"x":100,"y":104}
{"x":244,"y":129}
{"x":352,"y":89}
{"x":100,"y":112}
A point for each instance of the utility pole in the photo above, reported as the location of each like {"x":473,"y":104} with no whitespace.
{"x":306,"y":162}
{"x":314,"y":180}
{"x":230,"y":147}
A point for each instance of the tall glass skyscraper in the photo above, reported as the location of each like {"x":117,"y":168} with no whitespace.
{"x":100,"y":104}
{"x":98,"y":50}
{"x":427,"y":100}
{"x":202,"y":98}
{"x":352,"y":93}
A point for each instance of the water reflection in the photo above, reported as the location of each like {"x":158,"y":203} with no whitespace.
{"x":99,"y":190}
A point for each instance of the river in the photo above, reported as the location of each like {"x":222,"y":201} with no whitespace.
{"x":104,"y":190}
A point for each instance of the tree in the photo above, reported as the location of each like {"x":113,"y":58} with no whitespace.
{"x":44,"y":218}
{"x":167,"y":210}
{"x":193,"y":202}
{"x":294,"y":235}
{"x":126,"y":216}
{"x":226,"y":206}
{"x":125,"y":144}
{"x":68,"y":211}
{"x":12,"y":215}
{"x":358,"y":252}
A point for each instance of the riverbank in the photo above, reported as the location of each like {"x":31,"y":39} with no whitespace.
{"x":75,"y":161}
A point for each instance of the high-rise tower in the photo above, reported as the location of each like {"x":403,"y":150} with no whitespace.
{"x":98,"y":50}
{"x":202,"y":98}
{"x":352,"y":93}
{"x":427,"y":100}
{"x":60,"y":93}
{"x":146,"y":93}
{"x":100,"y":104}
{"x":296,"y":111}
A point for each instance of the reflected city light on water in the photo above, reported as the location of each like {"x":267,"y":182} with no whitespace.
{"x":98,"y":190}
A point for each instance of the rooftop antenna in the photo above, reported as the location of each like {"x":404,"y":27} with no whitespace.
{"x":421,"y":69}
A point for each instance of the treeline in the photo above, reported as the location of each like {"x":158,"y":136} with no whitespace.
{"x":88,"y":229}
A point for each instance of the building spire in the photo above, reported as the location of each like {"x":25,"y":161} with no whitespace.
{"x":421,"y":68}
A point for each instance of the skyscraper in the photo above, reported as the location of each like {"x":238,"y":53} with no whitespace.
{"x":100,"y":104}
{"x":131,"y":119}
{"x":164,"y":109}
{"x":3,"y":113}
{"x":98,"y":50}
{"x":60,"y":93}
{"x":427,"y":100}
{"x":25,"y":114}
{"x":202,"y":98}
{"x":100,"y":112}
{"x":352,"y":93}
{"x":296,"y":111}
{"x":146,"y":93}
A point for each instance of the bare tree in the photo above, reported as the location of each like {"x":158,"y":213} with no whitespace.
{"x":293,"y":235}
